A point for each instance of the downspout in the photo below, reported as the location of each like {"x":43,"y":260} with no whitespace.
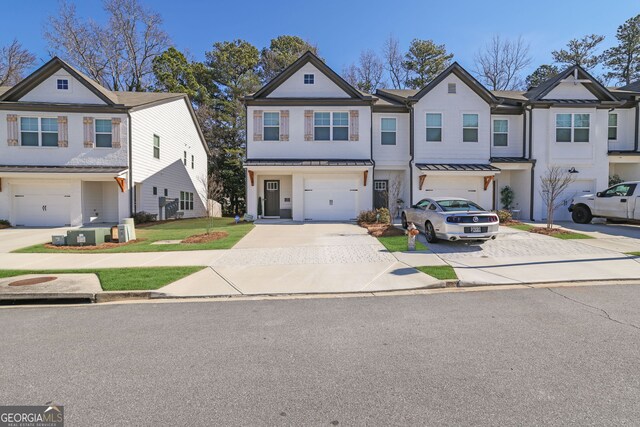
{"x":533,"y":165}
{"x":411,"y":152}
{"x":246,"y":157}
{"x":131,"y":192}
{"x":373,"y":170}
{"x":524,"y":134}
{"x":635,"y":142}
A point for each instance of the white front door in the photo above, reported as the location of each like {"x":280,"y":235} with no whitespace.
{"x":330,"y":199}
{"x":41,"y":205}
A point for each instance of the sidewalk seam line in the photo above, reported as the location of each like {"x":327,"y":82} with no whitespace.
{"x":225,"y":279}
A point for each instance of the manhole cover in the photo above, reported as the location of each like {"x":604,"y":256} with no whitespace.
{"x":32,"y":281}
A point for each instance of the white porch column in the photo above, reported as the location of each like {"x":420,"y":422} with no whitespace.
{"x":75,"y":203}
{"x":252,"y":194}
{"x":297,"y":196}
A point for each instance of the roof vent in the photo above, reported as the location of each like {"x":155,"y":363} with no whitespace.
{"x":452,"y":88}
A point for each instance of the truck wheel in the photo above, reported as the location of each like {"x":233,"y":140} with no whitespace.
{"x":430,"y":233}
{"x":581,"y":215}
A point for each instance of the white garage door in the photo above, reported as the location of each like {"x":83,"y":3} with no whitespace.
{"x":576,"y":189}
{"x":330,"y":199}
{"x":466,"y":188}
{"x":41,"y":205}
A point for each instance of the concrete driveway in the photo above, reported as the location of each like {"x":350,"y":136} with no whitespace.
{"x":303,"y":258}
{"x":523,"y":257}
{"x":20,"y":237}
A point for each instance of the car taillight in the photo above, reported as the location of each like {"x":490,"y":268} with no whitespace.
{"x":495,"y":219}
{"x":454,"y":219}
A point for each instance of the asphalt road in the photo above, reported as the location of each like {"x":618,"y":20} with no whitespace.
{"x":567,"y":356}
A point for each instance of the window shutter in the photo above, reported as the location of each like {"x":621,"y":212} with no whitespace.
{"x":88,"y":132}
{"x":257,"y":125}
{"x":308,"y":125}
{"x":12,"y":130}
{"x":115,"y":133}
{"x":63,"y":132}
{"x":353,"y":125}
{"x":284,"y":125}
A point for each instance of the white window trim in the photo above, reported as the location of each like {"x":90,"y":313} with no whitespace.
{"x":39,"y":132}
{"x":395,"y":131}
{"x":331,"y":126}
{"x":493,"y":132}
{"x":617,"y":126}
{"x":433,"y":127}
{"x":313,"y":77}
{"x":462,"y":126}
{"x":96,"y":133}
{"x":573,"y":128}
{"x":186,"y":202}
{"x":153,"y":147}
{"x":58,"y":79}
{"x":264,"y":126}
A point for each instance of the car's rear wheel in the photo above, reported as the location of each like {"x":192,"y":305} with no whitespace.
{"x":430,"y":233}
{"x":581,"y":215}
{"x":404,"y":221}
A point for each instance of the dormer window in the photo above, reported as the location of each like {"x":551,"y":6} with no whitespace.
{"x":63,"y":84}
{"x":309,"y":79}
{"x":451,"y":88}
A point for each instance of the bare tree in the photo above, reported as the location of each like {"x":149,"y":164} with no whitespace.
{"x":211,"y":189}
{"x":120,"y":54}
{"x":14,"y":61}
{"x":367,"y":74}
{"x":554,"y":183}
{"x":393,"y":63}
{"x":499,"y":63}
{"x":394,"y":190}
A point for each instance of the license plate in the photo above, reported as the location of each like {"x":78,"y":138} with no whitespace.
{"x":476,"y":229}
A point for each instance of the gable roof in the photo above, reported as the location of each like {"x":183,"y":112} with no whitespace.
{"x":539,"y":92}
{"x":49,"y":69}
{"x":306,"y":58}
{"x":463,"y":75}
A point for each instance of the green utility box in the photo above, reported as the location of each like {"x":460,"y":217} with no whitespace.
{"x":88,"y":236}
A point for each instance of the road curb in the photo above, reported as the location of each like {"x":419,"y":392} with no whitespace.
{"x":110,"y":296}
{"x":472,"y":284}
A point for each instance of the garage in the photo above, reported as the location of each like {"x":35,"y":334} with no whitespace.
{"x":330,"y":199}
{"x":575,"y":189}
{"x":41,"y":204}
{"x":463,"y":187}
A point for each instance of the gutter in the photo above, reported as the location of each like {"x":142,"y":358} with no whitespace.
{"x":373,"y":170}
{"x":411,"y":152}
{"x":533,"y":166}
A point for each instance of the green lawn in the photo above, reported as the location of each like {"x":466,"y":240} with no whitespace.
{"x":173,"y":230}
{"x":399,"y":244}
{"x":522,"y":227}
{"x":571,"y":236}
{"x":440,"y":272}
{"x":122,"y":279}
{"x":633,"y":253}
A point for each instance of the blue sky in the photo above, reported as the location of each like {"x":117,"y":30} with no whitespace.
{"x":341,"y":29}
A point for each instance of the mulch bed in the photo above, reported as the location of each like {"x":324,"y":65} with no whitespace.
{"x":206,"y":237}
{"x":549,"y":232}
{"x":511,"y":222}
{"x":108,"y":245}
{"x":382,"y":230}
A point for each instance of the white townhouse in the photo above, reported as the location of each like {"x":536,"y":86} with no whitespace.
{"x":75,"y":153}
{"x":319,"y":149}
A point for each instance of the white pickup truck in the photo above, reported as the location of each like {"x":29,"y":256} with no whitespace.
{"x":621,"y":201}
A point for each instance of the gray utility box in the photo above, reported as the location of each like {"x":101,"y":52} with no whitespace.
{"x":59,"y":240}
{"x":125,"y":233}
{"x":88,"y":236}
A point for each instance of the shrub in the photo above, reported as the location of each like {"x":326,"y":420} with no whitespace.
{"x":4,"y":223}
{"x":506,"y":197}
{"x":504,"y":216}
{"x":381,"y":215}
{"x":615,"y":179}
{"x":143,"y":217}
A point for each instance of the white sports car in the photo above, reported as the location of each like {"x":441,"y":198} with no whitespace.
{"x":451,"y":218}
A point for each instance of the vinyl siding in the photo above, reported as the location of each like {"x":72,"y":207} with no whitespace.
{"x":47,"y":91}
{"x":294,"y":86}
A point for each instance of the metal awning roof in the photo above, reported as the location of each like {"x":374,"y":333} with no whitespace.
{"x":63,"y":169}
{"x":453,"y":167}
{"x":296,"y":162}
{"x":511,"y":160}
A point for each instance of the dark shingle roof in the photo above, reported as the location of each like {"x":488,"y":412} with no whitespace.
{"x":456,"y":167}
{"x":62,"y":169}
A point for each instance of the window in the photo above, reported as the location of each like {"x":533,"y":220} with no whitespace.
{"x":272,"y":185}
{"x":621,"y":190}
{"x":434,"y":127}
{"x":322,"y":126}
{"x":193,"y":162}
{"x":388,"y":131}
{"x":451,"y":88}
{"x":500,"y":133}
{"x":156,"y":146}
{"x":470,"y":128}
{"x":309,"y":79}
{"x":566,"y":133}
{"x":186,"y":201}
{"x":103,"y":133}
{"x":166,"y":192}
{"x":613,"y":126}
{"x":380,"y":185}
{"x":184,"y":158}
{"x":36,"y":132}
{"x":271,"y":126}
{"x":340,"y":126}
{"x":155,"y":191}
{"x":62,"y":84}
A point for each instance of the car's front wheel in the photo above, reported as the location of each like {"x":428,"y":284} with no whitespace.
{"x":430,"y":233}
{"x":404,"y":221}
{"x":581,"y":215}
